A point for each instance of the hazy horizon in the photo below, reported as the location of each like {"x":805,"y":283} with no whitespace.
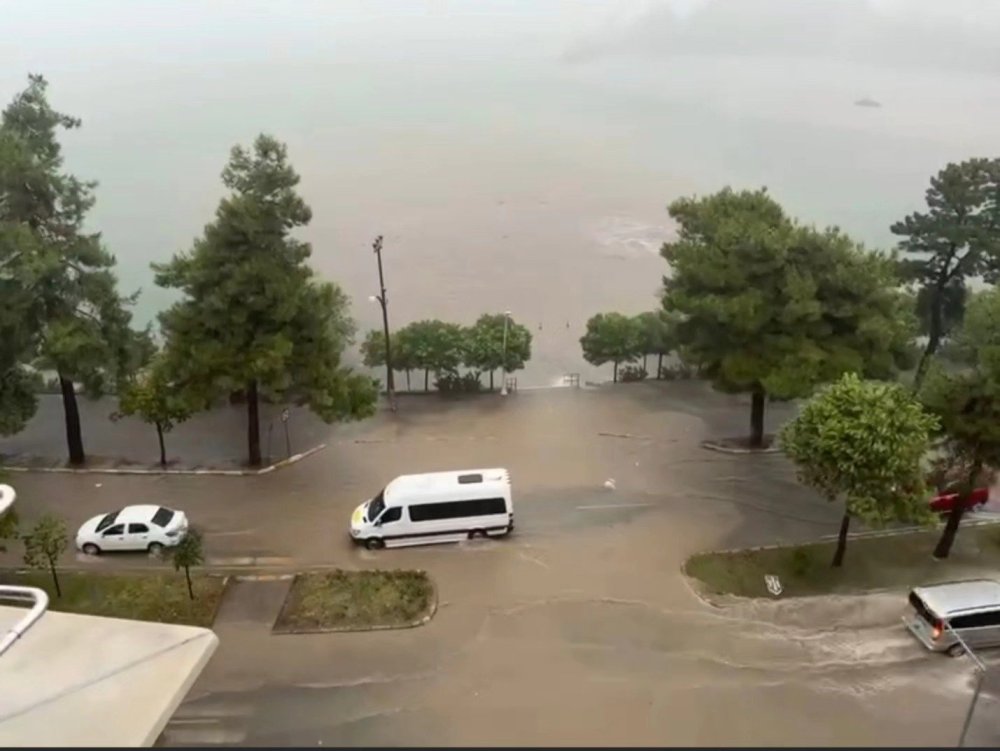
{"x":516,"y":155}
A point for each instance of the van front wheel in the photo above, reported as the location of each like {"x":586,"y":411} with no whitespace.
{"x":374,"y":543}
{"x":956,"y":650}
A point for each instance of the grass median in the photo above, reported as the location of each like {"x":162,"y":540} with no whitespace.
{"x":143,"y":597}
{"x":356,"y":601}
{"x":872,"y":563}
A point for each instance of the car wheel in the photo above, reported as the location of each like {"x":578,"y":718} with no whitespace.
{"x":374,"y":543}
{"x":956,"y":650}
{"x":477,"y":533}
{"x":155,"y":548}
{"x":91,"y":549}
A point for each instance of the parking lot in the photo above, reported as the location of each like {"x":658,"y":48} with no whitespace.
{"x":579,"y":628}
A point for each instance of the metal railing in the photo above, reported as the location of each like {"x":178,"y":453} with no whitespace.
{"x":980,"y":675}
{"x":39,"y":602}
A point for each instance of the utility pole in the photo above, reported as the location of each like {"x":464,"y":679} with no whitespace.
{"x":390,"y":389}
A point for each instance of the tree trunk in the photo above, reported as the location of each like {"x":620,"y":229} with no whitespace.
{"x":838,"y":555}
{"x":645,"y":357}
{"x":253,"y":424}
{"x":55,"y":577}
{"x":163,"y":448}
{"x":427,"y":378}
{"x":74,"y":438}
{"x":943,"y":547}
{"x":934,"y":333}
{"x":615,"y":379}
{"x":659,"y":365}
{"x":491,"y":380}
{"x":757,"y":418}
{"x":187,"y":575}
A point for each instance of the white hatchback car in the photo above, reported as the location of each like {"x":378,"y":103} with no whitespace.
{"x":143,"y":527}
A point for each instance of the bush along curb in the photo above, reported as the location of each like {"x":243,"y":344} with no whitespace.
{"x":421,"y":621}
{"x":294,"y":459}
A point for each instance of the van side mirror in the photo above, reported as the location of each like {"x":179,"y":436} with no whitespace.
{"x":378,"y":523}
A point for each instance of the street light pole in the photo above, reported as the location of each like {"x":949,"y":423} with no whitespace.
{"x":384,"y":302}
{"x":503,"y":375}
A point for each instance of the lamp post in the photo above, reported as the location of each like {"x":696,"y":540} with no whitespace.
{"x":503,"y":374}
{"x":383,"y":301}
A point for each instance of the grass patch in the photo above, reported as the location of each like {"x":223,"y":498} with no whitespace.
{"x":143,"y":597}
{"x":871,"y":563}
{"x":356,"y":600}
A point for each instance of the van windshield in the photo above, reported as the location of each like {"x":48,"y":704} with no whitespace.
{"x":376,"y":505}
{"x":923,"y":611}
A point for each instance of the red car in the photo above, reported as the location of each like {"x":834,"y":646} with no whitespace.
{"x":945,"y":501}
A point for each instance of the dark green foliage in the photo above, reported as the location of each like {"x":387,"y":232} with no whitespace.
{"x":433,"y":346}
{"x":156,"y":400}
{"x":863,"y":443}
{"x":957,"y":239}
{"x":254,"y":317}
{"x":774,"y":309}
{"x":187,"y":553}
{"x":611,"y":337}
{"x":657,"y":336}
{"x":967,"y":403}
{"x":43,"y":545}
{"x":67,"y":314}
{"x":484,"y":348}
{"x":631,"y":373}
{"x":459,"y":383}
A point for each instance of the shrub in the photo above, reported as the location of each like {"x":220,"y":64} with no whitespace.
{"x":632,"y":373}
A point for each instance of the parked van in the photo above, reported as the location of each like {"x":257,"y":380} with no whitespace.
{"x":436,"y":507}
{"x":970,"y":608}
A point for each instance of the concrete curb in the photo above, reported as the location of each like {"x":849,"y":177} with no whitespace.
{"x":294,"y":459}
{"x":716,"y":446}
{"x":421,"y":621}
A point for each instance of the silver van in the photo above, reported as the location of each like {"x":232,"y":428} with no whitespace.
{"x":970,"y":608}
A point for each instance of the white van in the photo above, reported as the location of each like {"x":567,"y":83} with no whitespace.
{"x":436,"y":507}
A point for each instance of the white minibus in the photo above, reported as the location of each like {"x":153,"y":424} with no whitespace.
{"x":436,"y":507}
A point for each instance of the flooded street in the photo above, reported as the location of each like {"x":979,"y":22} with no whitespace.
{"x":579,"y":628}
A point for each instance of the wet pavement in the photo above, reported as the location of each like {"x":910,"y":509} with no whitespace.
{"x":579,"y":628}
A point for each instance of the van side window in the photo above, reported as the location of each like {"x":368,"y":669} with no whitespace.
{"x":976,"y":620}
{"x":393,"y":514}
{"x":457,"y":509}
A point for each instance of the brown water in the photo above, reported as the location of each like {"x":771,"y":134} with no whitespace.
{"x":516,"y":155}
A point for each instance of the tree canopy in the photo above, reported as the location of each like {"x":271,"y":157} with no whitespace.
{"x":863,"y":443}
{"x":955,"y":240}
{"x":611,"y":337}
{"x":966,"y":400}
{"x":156,"y":400}
{"x":253,"y":316}
{"x":657,"y":336}
{"x":773,"y":308}
{"x":485,"y":349}
{"x":66,"y":315}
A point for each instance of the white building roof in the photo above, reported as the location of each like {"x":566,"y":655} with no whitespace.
{"x":76,"y":680}
{"x":435,"y":484}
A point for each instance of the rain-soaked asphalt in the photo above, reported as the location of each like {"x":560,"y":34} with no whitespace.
{"x":579,"y":628}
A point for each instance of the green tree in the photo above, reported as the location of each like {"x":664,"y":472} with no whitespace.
{"x":775,"y":309}
{"x":402,"y":353}
{"x":966,"y":400}
{"x":253,"y":317}
{"x":485,"y":349}
{"x":187,"y":553}
{"x":9,"y":522}
{"x":863,"y":443}
{"x":657,"y":336}
{"x":156,"y":400}
{"x":20,"y":314}
{"x":81,"y":324}
{"x":611,"y":337}
{"x":434,"y":346}
{"x":373,"y":349}
{"x":955,"y":240}
{"x":44,"y":544}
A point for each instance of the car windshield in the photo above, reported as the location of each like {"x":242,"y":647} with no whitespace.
{"x":376,"y":506}
{"x":162,"y":516}
{"x":107,"y":521}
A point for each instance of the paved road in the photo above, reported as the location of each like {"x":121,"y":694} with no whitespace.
{"x":579,"y":628}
